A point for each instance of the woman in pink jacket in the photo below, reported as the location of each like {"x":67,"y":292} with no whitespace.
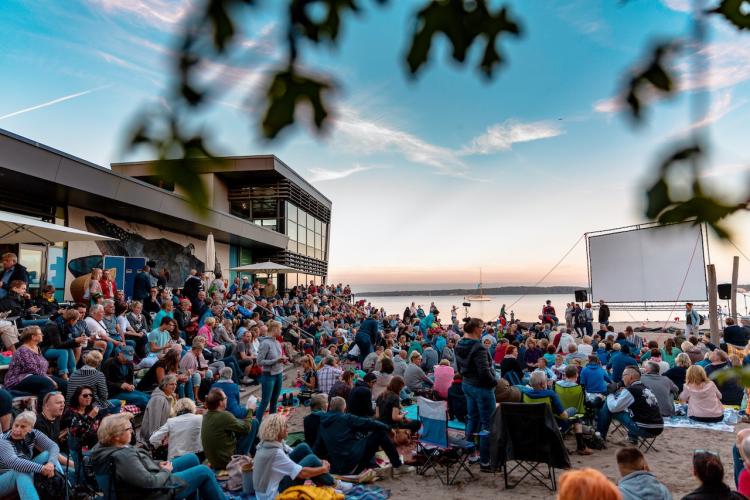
{"x":702,"y":396}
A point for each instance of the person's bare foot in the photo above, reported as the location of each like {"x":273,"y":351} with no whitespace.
{"x":585,"y":451}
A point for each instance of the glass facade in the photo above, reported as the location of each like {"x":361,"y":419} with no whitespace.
{"x":307,"y":235}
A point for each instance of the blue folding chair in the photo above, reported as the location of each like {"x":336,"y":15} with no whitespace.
{"x":439,"y":451}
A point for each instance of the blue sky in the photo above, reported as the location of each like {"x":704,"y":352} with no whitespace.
{"x":430,"y":178}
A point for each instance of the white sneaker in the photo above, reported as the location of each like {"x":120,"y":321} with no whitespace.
{"x":403,"y":469}
{"x":252,"y":402}
{"x":343,"y":486}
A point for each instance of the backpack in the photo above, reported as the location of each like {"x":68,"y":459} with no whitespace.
{"x":581,"y":316}
{"x":701,"y":319}
{"x":51,"y":488}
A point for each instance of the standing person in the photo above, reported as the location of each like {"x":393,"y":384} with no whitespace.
{"x":475,"y":366}
{"x":603,"y":313}
{"x":579,"y":320}
{"x":569,"y":308}
{"x":692,"y":320}
{"x":142,"y":284}
{"x":548,"y":314}
{"x":589,"y":316}
{"x":108,"y":286}
{"x":271,"y":361}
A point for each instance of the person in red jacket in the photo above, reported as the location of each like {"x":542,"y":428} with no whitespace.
{"x":109,"y":289}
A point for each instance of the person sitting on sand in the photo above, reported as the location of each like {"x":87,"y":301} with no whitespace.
{"x":679,"y":372}
{"x":702,"y":396}
{"x":637,"y":481}
{"x":663,"y":388}
{"x":619,"y":361}
{"x":709,"y":470}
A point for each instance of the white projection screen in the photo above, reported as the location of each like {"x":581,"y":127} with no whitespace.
{"x":648,"y":265}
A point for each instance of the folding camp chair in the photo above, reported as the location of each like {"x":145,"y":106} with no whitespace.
{"x":530,"y":443}
{"x":436,"y":447}
{"x":107,"y":482}
{"x":644,"y":443}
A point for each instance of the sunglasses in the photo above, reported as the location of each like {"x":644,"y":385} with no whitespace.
{"x":709,"y":452}
{"x":87,"y":395}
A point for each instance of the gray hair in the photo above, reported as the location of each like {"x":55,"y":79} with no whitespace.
{"x":109,"y":302}
{"x":96,"y":308}
{"x":168,"y":379}
{"x":226,"y":373}
{"x":184,"y":405}
{"x":337,"y":403}
{"x":652,"y":367}
{"x":538,"y":380}
{"x":27,"y":416}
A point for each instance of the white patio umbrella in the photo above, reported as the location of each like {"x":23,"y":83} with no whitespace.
{"x":210,"y":255}
{"x":267,"y":267}
{"x":16,"y":228}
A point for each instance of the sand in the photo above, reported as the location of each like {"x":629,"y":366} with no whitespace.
{"x":672,"y":464}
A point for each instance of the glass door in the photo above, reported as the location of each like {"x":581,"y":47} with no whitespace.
{"x":33,"y":258}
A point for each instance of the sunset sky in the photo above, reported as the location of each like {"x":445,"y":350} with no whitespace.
{"x":430,"y":179}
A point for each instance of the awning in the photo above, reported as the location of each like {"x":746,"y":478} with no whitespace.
{"x":16,"y":228}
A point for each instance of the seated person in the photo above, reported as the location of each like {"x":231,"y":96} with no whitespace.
{"x":637,"y":481}
{"x":663,"y":388}
{"x":120,"y":374}
{"x":318,"y":406}
{"x":702,"y":396}
{"x":277,"y":467}
{"x":359,"y":401}
{"x":388,"y":407}
{"x":232,"y":392}
{"x":350,"y":442}
{"x":731,"y":391}
{"x":594,"y":378}
{"x":137,"y":475}
{"x":678,"y":373}
{"x":223,"y":435}
{"x":416,"y":379}
{"x":457,"y":400}
{"x":709,"y":470}
{"x":160,"y":407}
{"x":634,"y":405}
{"x":736,"y":335}
{"x":18,"y":462}
{"x":619,"y":361}
{"x":538,"y":390}
{"x":443,"y":378}
{"x":181,"y":433}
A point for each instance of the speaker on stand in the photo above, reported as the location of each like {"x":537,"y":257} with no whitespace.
{"x":725,"y":293}
{"x":581,"y":295}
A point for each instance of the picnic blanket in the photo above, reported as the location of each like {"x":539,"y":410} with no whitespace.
{"x":411,"y":414}
{"x":685,"y":422}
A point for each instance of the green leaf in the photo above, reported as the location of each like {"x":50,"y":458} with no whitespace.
{"x":289,"y":90}
{"x":657,"y":198}
{"x":462,"y":23}
{"x":328,"y":27}
{"x":654,"y":77}
{"x":732,"y":10}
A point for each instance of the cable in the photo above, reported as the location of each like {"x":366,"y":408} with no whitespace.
{"x":684,"y":279}
{"x":738,"y":249}
{"x":551,"y":270}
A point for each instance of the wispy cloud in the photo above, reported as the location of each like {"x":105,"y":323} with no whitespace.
{"x":502,"y":136}
{"x":678,"y":5}
{"x":728,"y":63}
{"x":367,"y":136}
{"x":324,"y":174}
{"x":719,"y":109}
{"x":52,"y":102}
{"x":163,"y":14}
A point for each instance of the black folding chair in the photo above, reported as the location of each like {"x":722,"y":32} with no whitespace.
{"x":530,"y":443}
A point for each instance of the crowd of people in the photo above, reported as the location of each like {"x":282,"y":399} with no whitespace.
{"x":178,"y":358}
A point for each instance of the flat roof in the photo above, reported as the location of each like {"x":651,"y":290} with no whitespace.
{"x":65,"y":179}
{"x":232,"y":169}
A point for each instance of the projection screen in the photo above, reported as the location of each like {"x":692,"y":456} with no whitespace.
{"x":648,"y":265}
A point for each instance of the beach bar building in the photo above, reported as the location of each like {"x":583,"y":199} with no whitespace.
{"x":259,"y":209}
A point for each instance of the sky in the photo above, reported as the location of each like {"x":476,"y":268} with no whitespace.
{"x":431,"y":178}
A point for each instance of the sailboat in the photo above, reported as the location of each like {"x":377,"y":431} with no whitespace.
{"x":481,"y":297}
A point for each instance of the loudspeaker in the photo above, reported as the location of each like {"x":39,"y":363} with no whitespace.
{"x":725,"y":291}
{"x":581,"y":295}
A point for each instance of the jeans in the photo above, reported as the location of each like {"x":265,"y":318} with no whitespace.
{"x":480,"y":404}
{"x":270,"y":390}
{"x":236,"y":370}
{"x":245,"y":442}
{"x":304,"y":456}
{"x":605,"y":418}
{"x":373,"y":442}
{"x":64,"y":358}
{"x":738,"y":464}
{"x":185,"y":389}
{"x":137,"y":398}
{"x":199,"y":478}
{"x":22,"y":482}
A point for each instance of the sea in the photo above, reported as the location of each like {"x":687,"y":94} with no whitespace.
{"x":526,"y":308}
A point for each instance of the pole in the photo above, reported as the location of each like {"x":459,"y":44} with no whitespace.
{"x":713,"y":318}
{"x":735,"y":277}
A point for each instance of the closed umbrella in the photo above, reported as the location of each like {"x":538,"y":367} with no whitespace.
{"x":210,"y":255}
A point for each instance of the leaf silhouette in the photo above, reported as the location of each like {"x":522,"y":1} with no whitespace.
{"x":289,"y":90}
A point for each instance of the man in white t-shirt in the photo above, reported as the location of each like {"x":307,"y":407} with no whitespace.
{"x":97,"y":329}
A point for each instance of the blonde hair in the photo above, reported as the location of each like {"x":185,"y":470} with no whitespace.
{"x":28,"y":332}
{"x":686,"y":346}
{"x":210,"y":321}
{"x":93,"y":358}
{"x":696,"y":375}
{"x":682,"y":360}
{"x":272,"y":325}
{"x":113,"y":425}
{"x":272,"y":427}
{"x":587,"y":483}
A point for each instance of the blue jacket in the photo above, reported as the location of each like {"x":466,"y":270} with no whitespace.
{"x":603,"y":356}
{"x":370,"y":328}
{"x":618,"y":362}
{"x":141,"y":286}
{"x":426,"y":323}
{"x":232,"y":392}
{"x":594,"y":378}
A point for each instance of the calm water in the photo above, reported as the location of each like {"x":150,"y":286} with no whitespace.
{"x":526,"y":309}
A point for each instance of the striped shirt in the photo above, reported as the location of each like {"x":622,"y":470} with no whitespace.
{"x":87,"y":375}
{"x":16,"y":454}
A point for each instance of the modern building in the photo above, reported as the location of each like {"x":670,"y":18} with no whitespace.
{"x":258,"y":209}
